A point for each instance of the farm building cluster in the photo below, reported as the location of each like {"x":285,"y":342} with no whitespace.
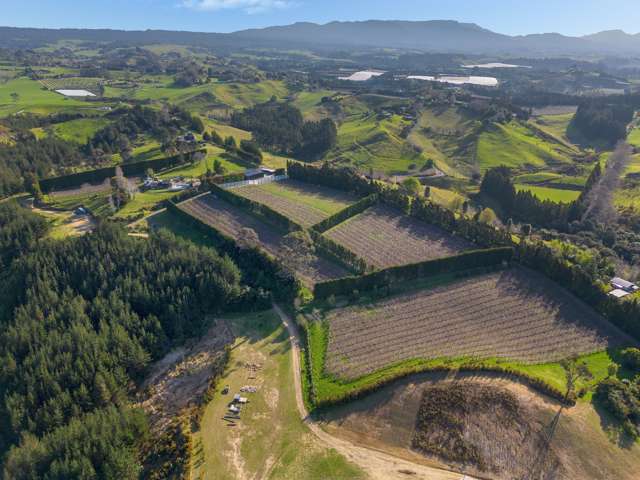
{"x":622,"y":287}
{"x":176,"y":184}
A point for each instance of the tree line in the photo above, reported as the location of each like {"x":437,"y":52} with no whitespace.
{"x":524,"y":206}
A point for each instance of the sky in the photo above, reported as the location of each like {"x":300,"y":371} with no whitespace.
{"x":513,"y":17}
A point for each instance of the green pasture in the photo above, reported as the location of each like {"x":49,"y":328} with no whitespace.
{"x":448,"y":136}
{"x":554,"y":194}
{"x":516,"y":146}
{"x":309,"y":103}
{"x":367,"y":142}
{"x":556,"y":126}
{"x":326,"y":204}
{"x":97,"y":203}
{"x":80,"y":130}
{"x":270,"y":441}
{"x":634,"y":137}
{"x":32,"y":97}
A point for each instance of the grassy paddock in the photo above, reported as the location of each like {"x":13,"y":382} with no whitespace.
{"x":554,"y":194}
{"x":270,"y":440}
{"x":517,"y":146}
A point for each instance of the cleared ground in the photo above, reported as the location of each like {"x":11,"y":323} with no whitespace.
{"x":230,"y":221}
{"x":304,"y":203}
{"x":384,"y":237}
{"x":513,"y":315}
{"x":581,"y":446}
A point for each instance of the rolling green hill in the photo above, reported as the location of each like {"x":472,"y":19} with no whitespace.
{"x":368,"y":142}
{"x":517,"y":146}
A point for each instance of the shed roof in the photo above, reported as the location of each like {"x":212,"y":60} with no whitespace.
{"x":618,"y":293}
{"x":621,"y":282}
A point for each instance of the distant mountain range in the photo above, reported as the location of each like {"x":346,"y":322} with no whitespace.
{"x":443,"y":36}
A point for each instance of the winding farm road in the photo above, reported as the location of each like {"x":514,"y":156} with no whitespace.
{"x":376,"y":464}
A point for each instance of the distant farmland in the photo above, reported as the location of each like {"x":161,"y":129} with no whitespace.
{"x":384,"y":237}
{"x":304,"y":203}
{"x":230,"y":220}
{"x":515,"y":314}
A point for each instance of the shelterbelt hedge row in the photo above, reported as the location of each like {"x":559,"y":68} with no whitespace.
{"x":128,"y":169}
{"x":383,"y":278}
{"x":256,"y":208}
{"x":345,"y":214}
{"x":263,"y":270}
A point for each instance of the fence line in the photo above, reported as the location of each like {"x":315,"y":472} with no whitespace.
{"x":258,"y":181}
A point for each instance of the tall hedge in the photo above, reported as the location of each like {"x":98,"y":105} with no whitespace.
{"x":263,"y":270}
{"x":338,"y":253}
{"x":384,"y":278}
{"x":346,"y":213}
{"x":625,"y":314}
{"x":345,"y":179}
{"x":128,"y":169}
{"x":257,"y":208}
{"x":349,"y":180}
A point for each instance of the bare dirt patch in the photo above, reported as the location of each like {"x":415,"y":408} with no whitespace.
{"x":514,"y":314}
{"x":181,"y":378}
{"x":384,"y":237}
{"x":578,"y":447}
{"x":231,"y":220}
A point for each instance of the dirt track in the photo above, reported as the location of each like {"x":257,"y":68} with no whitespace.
{"x":378,"y":465}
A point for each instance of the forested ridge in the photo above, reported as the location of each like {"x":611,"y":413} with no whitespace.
{"x":82,"y":321}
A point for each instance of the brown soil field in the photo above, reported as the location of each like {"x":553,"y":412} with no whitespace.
{"x":514,"y":314}
{"x":384,"y":237}
{"x":230,"y":220}
{"x":304,"y":203}
{"x":580,"y":446}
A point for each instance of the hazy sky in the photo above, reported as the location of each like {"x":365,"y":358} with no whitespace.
{"x":571,"y":17}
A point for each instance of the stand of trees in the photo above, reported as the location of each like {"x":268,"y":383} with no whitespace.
{"x":602,"y":122}
{"x":280,"y":127}
{"x":30,"y":156}
{"x":20,"y":229}
{"x":526,"y":207}
{"x":163,"y":125}
{"x":81,"y":322}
